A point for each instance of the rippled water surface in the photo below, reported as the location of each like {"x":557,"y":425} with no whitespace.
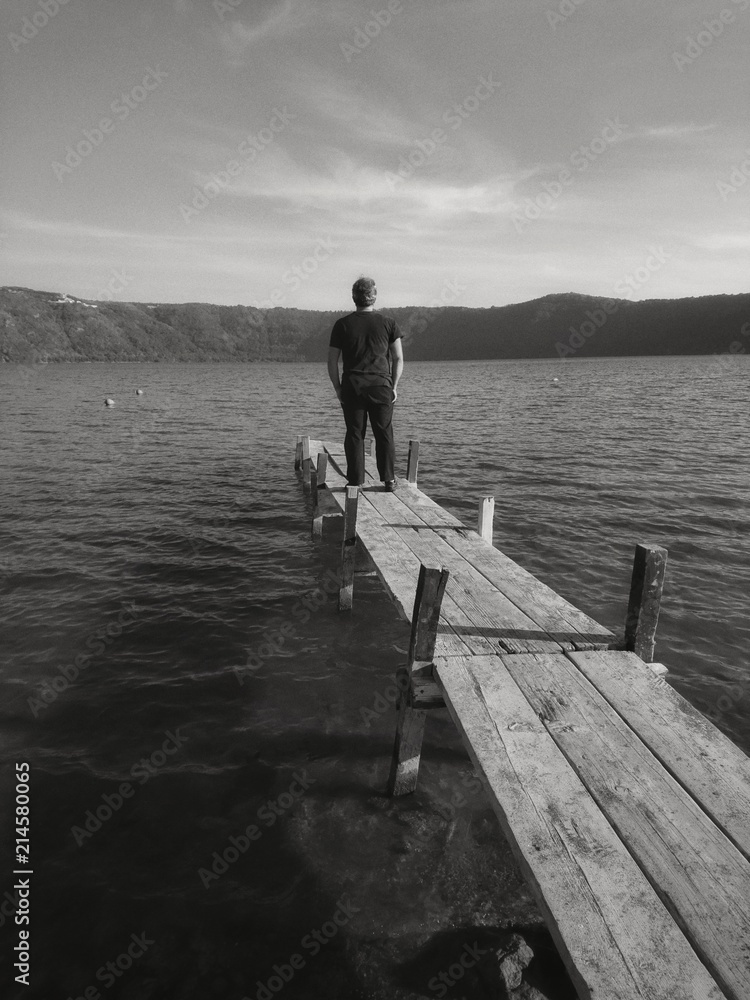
{"x":151,"y":550}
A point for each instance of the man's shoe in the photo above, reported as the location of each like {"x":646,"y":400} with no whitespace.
{"x":390,"y":486}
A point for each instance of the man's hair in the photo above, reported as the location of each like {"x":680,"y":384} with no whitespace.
{"x":364,"y":292}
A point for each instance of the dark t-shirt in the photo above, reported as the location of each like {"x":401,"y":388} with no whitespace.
{"x":364,"y":339}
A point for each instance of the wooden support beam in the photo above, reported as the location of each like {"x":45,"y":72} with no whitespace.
{"x":349,"y":549}
{"x":486,"y":517}
{"x":306,"y":461}
{"x":647,"y":584}
{"x":407,"y":748}
{"x":298,"y":454}
{"x":413,"y":462}
{"x":372,"y":448}
{"x":319,"y":482}
{"x":322,"y":468}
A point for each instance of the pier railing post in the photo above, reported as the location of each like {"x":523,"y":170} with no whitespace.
{"x":349,"y":549}
{"x":407,"y":748}
{"x":486,"y":517}
{"x":298,"y":454}
{"x":646,"y":587}
{"x":306,"y":461}
{"x":413,"y":462}
{"x":318,"y":483}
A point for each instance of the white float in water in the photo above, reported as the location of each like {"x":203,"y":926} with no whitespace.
{"x":109,"y":402}
{"x":139,"y":392}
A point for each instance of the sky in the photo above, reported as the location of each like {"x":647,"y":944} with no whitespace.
{"x":461,"y":152}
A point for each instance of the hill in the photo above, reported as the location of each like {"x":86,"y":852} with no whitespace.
{"x":48,"y":326}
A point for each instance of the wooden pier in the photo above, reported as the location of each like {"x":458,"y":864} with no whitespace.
{"x":627,"y":811}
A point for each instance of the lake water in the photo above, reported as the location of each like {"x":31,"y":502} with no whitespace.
{"x":151,"y":549}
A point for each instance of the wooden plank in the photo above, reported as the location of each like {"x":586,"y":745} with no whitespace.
{"x":701,"y":758}
{"x":547,"y":609}
{"x":398,"y":568}
{"x":491,"y":613}
{"x":698,"y":873}
{"x":614,"y":934}
{"x":646,"y":586}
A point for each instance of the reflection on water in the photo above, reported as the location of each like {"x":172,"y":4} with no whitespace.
{"x":157,"y":573}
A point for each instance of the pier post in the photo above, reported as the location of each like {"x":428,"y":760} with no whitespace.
{"x":647,"y":584}
{"x":372,"y":448}
{"x":318,"y":482}
{"x":298,"y":454}
{"x":407,"y":748}
{"x":413,"y":462}
{"x":486,"y":517}
{"x":306,"y":461}
{"x":349,"y":549}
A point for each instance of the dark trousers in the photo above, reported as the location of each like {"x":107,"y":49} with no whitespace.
{"x":375,"y":402}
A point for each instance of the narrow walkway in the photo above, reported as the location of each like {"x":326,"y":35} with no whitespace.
{"x":627,"y":811}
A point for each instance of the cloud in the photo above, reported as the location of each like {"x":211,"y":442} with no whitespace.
{"x":257,"y":20}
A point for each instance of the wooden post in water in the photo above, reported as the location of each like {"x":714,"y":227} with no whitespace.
{"x":298,"y":454}
{"x":413,"y":462}
{"x":407,"y":748}
{"x":349,"y":549}
{"x":647,"y":584}
{"x":319,"y":518}
{"x":372,"y":448}
{"x":306,"y":462}
{"x":486,"y":517}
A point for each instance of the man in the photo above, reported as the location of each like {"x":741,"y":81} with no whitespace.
{"x":373,"y":361}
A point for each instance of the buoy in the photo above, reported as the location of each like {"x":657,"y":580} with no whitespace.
{"x":555,"y":379}
{"x":109,"y":402}
{"x":139,"y":392}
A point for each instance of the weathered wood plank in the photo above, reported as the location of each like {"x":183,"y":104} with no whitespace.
{"x":698,"y":873}
{"x":546,"y":608}
{"x":701,"y":758}
{"x":614,"y":934}
{"x":491,"y":613}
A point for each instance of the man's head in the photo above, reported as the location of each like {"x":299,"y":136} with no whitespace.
{"x":364,"y":292}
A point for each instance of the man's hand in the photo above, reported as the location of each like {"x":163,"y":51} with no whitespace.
{"x":395,"y":395}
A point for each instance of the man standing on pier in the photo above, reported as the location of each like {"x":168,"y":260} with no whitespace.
{"x":373,"y":361}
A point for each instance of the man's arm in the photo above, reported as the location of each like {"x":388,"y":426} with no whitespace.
{"x":333,"y":370}
{"x":397,"y":363}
